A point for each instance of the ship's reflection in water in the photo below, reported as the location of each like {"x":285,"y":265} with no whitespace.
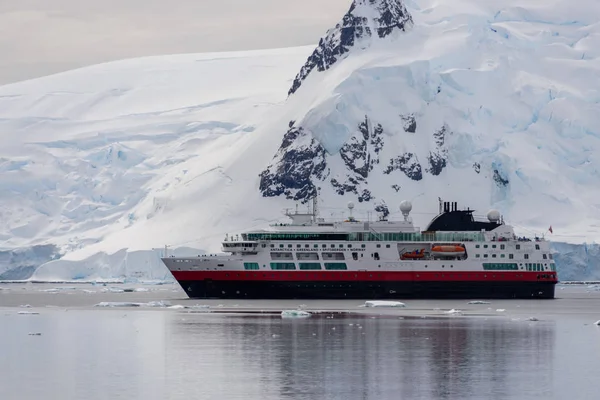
{"x":258,"y":357}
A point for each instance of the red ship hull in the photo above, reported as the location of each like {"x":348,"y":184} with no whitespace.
{"x":366,"y":284}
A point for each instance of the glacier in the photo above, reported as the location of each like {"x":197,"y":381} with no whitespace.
{"x":491,"y":104}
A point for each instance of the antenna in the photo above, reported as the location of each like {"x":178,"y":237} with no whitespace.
{"x":315,"y":206}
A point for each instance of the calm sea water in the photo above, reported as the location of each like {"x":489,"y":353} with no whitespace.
{"x":236,"y":352}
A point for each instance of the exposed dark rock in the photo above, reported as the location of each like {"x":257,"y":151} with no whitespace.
{"x":437,"y":163}
{"x":437,"y":159}
{"x":356,"y":156}
{"x":348,"y":187}
{"x":393,"y":15}
{"x":390,"y":15}
{"x":377,"y":140}
{"x":499,"y":179}
{"x":477,"y":167}
{"x":383,"y":209}
{"x":296,"y":162}
{"x":410,"y":123}
{"x":407,"y":163}
{"x":359,"y":154}
{"x":440,"y":136}
{"x":396,"y":187}
{"x":365,"y":196}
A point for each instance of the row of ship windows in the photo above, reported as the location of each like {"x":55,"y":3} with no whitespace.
{"x":372,"y":237}
{"x":511,"y":256}
{"x":342,"y":266}
{"x":302,"y":266}
{"x":281,"y":246}
{"x":485,"y":246}
{"x":502,"y":246}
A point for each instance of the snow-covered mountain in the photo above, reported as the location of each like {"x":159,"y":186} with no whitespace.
{"x":491,"y":104}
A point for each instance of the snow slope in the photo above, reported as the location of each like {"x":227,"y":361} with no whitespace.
{"x":491,"y":104}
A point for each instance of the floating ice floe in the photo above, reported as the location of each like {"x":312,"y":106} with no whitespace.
{"x":500,"y":310}
{"x":384,"y":303}
{"x":532,"y":319}
{"x":117,"y":304}
{"x":28,"y":313}
{"x":294,"y":314}
{"x":478,"y":302}
{"x":25,"y":306}
{"x":597,"y":323}
{"x":453,"y":312}
{"x":160,"y":303}
{"x":113,"y":290}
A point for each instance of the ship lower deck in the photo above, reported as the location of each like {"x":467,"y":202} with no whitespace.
{"x":244,"y":289}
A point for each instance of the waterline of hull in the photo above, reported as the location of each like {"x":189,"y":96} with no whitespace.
{"x":233,"y":289}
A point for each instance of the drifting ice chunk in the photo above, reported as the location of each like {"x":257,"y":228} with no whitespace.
{"x":117,"y":304}
{"x":294,"y":314}
{"x":384,"y":303}
{"x":532,"y":319}
{"x":597,"y":323}
{"x":453,"y":311}
{"x":500,"y":310}
{"x":28,"y":313}
{"x":113,"y":290}
{"x":160,"y":303}
{"x":478,"y":302}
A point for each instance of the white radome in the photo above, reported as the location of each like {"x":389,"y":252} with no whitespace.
{"x":493,"y":215}
{"x":350,"y":205}
{"x":405,"y":206}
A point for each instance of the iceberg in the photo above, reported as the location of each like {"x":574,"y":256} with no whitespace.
{"x":453,"y":312}
{"x":384,"y":303}
{"x":295,"y":314}
{"x":156,"y":304}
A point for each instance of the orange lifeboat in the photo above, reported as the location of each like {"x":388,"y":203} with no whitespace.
{"x":413,"y":255}
{"x":448,"y":250}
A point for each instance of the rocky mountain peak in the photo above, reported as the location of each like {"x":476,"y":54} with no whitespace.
{"x":365,"y":19}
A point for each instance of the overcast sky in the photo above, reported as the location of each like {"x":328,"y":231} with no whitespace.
{"x":41,"y":37}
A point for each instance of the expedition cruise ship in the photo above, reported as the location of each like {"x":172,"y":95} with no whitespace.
{"x":457,"y":256}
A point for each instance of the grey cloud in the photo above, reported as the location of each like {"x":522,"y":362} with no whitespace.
{"x":40,"y":37}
